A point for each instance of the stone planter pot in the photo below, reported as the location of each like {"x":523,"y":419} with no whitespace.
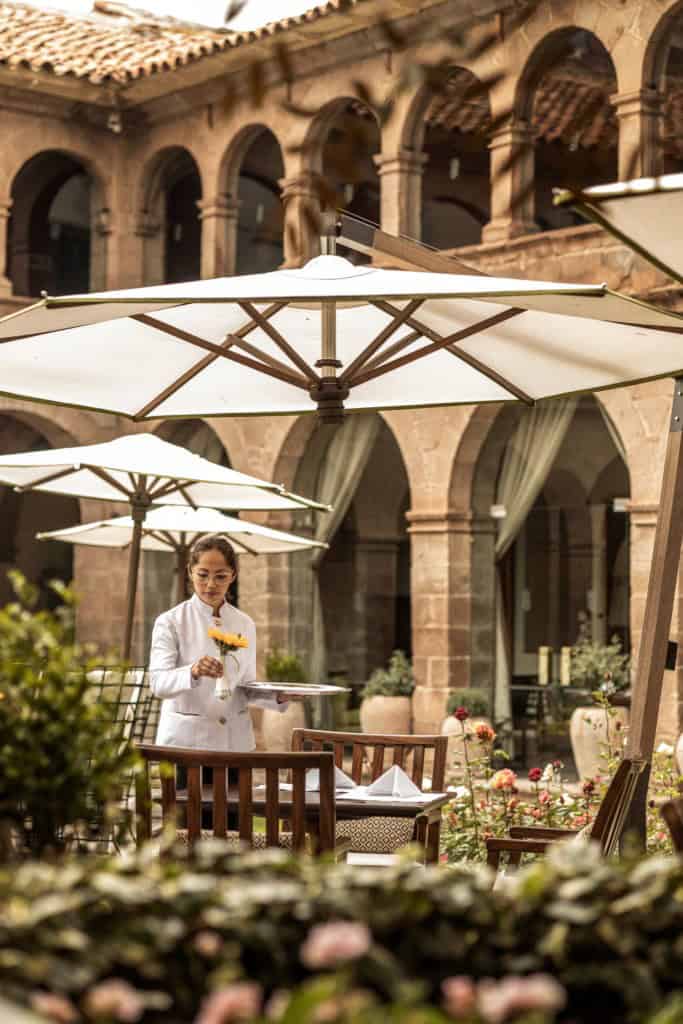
{"x":588,"y":732}
{"x":277,"y":726}
{"x":386,"y":715}
{"x":452,"y":728}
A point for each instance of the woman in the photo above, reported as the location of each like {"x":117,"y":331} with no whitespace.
{"x":184,"y":667}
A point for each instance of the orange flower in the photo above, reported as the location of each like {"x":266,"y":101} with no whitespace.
{"x":229,"y":639}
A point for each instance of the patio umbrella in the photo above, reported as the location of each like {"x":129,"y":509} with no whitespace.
{"x":176,"y":528}
{"x":330,"y":335}
{"x":646,"y":214}
{"x":144,"y":471}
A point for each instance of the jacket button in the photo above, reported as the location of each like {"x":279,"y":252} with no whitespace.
{"x":222,"y":721}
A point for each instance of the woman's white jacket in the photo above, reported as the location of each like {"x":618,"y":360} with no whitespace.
{"x":191,"y":716}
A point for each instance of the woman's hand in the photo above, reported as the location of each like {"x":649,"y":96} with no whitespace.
{"x":207,"y":666}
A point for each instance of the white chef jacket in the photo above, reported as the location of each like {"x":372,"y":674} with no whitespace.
{"x":191,"y":715}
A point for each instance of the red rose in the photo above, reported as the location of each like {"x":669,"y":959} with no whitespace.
{"x":588,"y":787}
{"x":462,"y":714}
{"x":535,"y":774}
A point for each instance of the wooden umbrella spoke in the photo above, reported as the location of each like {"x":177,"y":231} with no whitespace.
{"x":392,"y":350}
{"x":397,"y":321}
{"x":57,"y":475}
{"x":108,"y":478}
{"x":280,"y":341}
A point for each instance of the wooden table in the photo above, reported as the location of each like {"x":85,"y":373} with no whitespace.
{"x":427,"y":815}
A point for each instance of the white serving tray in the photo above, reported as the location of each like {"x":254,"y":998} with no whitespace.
{"x":308,"y":690}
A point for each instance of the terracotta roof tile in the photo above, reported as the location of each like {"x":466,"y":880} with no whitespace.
{"x":106,"y":48}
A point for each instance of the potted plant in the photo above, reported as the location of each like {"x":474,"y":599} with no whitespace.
{"x":603,"y":670}
{"x":385,"y":698}
{"x":466,"y":710}
{"x":277,"y":726}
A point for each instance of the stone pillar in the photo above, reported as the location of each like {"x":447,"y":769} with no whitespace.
{"x":5,"y":212}
{"x":219,"y":217}
{"x":101,"y":230}
{"x":153,"y":257}
{"x":638,"y":114}
{"x":512,"y":175}
{"x":300,"y":214}
{"x":444,"y":549}
{"x":598,"y":610}
{"x":401,"y":191}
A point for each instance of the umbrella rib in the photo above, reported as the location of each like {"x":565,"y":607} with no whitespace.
{"x":98,"y":471}
{"x":240,"y":543}
{"x":449,"y":343}
{"x":397,"y":321}
{"x":169,"y":487}
{"x":392,"y":350}
{"x":20,"y":488}
{"x":268,"y":360}
{"x":163,"y":537}
{"x":281,"y":342}
{"x":183,"y":490}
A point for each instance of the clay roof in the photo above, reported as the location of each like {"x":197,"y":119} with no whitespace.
{"x":111,"y":46}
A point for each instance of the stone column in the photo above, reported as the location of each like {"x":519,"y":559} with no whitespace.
{"x":148,"y":230}
{"x":300,"y":215}
{"x":512,"y":175}
{"x":100,"y":234}
{"x":5,"y":212}
{"x":219,"y":217}
{"x":444,"y":549}
{"x":598,"y":514}
{"x":401,"y":191}
{"x":638,"y":114}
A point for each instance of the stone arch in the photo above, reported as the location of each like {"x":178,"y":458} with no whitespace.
{"x":197,"y":436}
{"x":25,"y":514}
{"x":563,"y":93}
{"x":663,"y":75}
{"x":59,"y":220}
{"x":170,"y":189}
{"x":250,"y":177}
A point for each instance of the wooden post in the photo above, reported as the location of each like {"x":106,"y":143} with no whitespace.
{"x":647,"y":686}
{"x":139,"y":504}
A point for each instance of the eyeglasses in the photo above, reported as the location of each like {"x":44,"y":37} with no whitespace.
{"x":221,"y":578}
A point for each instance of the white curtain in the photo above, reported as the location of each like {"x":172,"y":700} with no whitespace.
{"x":527,"y":461}
{"x":342,"y":467}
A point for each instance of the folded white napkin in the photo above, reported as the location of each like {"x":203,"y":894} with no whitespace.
{"x":394,"y":782}
{"x":341,"y":780}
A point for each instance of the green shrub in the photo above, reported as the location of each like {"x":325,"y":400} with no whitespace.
{"x":176,"y":927}
{"x":397,"y":680}
{"x":61,"y":755}
{"x":475,"y":701}
{"x":602,"y":667}
{"x":284,"y":667}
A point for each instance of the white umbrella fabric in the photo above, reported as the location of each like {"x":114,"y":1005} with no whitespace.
{"x":176,"y":528}
{"x":332,"y":335}
{"x":646,"y":214}
{"x":143,"y":470}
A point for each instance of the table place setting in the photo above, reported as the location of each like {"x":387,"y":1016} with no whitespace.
{"x":392,"y":785}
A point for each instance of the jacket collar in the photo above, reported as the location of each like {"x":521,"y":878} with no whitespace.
{"x":204,"y":609}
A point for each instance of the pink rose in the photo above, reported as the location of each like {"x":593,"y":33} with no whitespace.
{"x":329,"y":944}
{"x":115,"y":998}
{"x":459,"y":997}
{"x":239,"y":1001}
{"x":484,"y":733}
{"x":56,"y":1007}
{"x":498,"y":1001}
{"x":544,"y":797}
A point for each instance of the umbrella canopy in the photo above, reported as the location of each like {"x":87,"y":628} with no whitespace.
{"x":646,"y":214}
{"x":330,"y":335}
{"x":175,"y":528}
{"x":143,"y":470}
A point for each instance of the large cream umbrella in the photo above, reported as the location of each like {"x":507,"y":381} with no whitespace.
{"x":330,"y":336}
{"x":175,"y":528}
{"x":646,"y":214}
{"x":143,"y":470}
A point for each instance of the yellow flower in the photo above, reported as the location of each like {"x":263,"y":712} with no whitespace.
{"x":231,"y":639}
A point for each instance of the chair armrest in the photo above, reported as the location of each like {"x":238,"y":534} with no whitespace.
{"x":342,"y":845}
{"x":515,"y":847}
{"x":539,"y":832}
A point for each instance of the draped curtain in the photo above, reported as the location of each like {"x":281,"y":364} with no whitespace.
{"x":342,"y":468}
{"x":527,"y":461}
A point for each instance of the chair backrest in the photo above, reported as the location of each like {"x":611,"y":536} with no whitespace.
{"x":245,"y":764}
{"x":611,"y":817}
{"x":147,"y":715}
{"x":672,"y":812}
{"x":370,"y":750}
{"x":122,"y":690}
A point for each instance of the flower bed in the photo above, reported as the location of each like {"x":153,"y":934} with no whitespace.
{"x":148,"y":938}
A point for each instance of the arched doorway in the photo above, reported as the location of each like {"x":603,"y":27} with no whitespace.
{"x":24,"y":515}
{"x":169,"y":218}
{"x":49,"y":239}
{"x":260,"y":222}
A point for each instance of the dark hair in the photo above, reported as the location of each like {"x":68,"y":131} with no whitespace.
{"x":213,"y":542}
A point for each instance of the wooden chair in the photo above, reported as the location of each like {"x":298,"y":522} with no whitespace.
{"x":245,"y":764}
{"x":369,"y":756}
{"x":672,"y":812}
{"x":606,"y":828}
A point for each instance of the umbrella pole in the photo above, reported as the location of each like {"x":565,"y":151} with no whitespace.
{"x":647,"y":686}
{"x":138,"y":509}
{"x":180,"y":567}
